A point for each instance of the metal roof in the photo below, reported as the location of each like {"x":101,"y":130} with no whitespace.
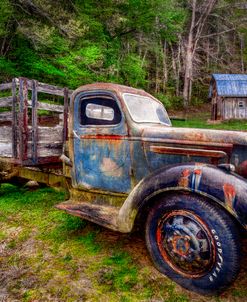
{"x":229,"y":85}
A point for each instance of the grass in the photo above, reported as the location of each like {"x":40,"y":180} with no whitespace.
{"x":47,"y":255}
{"x":240,"y":125}
{"x":198,"y":117}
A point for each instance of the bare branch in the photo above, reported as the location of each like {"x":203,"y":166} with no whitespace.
{"x":217,"y":34}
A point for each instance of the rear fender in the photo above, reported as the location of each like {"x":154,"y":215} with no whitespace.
{"x":223,"y":187}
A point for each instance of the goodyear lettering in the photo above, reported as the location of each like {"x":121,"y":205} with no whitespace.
{"x":220,"y":261}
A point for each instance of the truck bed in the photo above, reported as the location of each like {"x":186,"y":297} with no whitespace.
{"x":32,"y":132}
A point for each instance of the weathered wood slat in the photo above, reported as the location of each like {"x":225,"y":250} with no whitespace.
{"x":50,"y":134}
{"x":14,"y":120}
{"x":23,"y":120}
{"x":5,"y":149}
{"x":47,"y":106}
{"x":46,"y":134}
{"x":5,"y":117}
{"x":32,"y":143}
{"x":65,"y":114}
{"x":44,"y":149}
{"x":34,"y":122}
{"x":6,"y":101}
{"x":50,"y":89}
{"x":46,"y":88}
{"x":5,"y":86}
{"x":5,"y":133}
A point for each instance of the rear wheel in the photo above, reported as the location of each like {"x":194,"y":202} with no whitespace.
{"x":193,"y":242}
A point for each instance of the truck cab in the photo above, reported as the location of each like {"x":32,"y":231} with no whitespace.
{"x":105,"y":135}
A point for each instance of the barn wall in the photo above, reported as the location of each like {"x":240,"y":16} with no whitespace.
{"x":234,"y":108}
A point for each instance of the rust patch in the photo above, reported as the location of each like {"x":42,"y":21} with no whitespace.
{"x":104,"y":136}
{"x":177,"y":248}
{"x":184,"y":179}
{"x":230,"y":194}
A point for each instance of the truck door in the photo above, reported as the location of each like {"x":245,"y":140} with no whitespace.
{"x":101,"y":146}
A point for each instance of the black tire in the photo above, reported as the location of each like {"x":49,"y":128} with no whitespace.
{"x":193,"y":242}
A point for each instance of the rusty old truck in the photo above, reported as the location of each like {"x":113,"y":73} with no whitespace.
{"x":114,"y":149}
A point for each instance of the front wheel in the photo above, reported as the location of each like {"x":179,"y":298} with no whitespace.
{"x":193,"y":242}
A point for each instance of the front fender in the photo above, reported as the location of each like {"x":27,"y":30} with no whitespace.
{"x":226,"y":188}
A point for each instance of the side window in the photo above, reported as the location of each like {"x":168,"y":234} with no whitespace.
{"x":99,"y":111}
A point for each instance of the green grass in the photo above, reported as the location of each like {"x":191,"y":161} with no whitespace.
{"x":54,"y":256}
{"x":48,"y":255}
{"x":202,"y":123}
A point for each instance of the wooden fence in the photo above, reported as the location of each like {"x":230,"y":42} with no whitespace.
{"x":23,"y":135}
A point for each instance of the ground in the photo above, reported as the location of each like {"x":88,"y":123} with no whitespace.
{"x":47,"y":255}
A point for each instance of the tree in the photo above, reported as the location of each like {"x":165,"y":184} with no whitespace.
{"x":200,"y":11}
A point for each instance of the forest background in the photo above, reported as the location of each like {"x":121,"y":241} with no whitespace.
{"x":167,"y":47}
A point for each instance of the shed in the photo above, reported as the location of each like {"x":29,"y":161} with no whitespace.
{"x":228,"y":94}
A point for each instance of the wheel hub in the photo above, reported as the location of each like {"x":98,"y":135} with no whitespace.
{"x":185,"y":243}
{"x":180,"y":245}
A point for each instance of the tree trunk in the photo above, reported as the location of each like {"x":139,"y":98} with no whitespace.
{"x":189,"y":59}
{"x":165,"y":73}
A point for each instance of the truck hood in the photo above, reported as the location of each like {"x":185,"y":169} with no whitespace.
{"x":195,"y":134}
{"x":217,"y":145}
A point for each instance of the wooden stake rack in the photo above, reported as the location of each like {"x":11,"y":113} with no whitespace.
{"x":22,"y":139}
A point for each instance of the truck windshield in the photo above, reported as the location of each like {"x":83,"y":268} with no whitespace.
{"x":145,"y":110}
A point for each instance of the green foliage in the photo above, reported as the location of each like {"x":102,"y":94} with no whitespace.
{"x":7,"y":69}
{"x":170,"y":101}
{"x":135,"y":42}
{"x":5,"y":13}
{"x":133,"y":70}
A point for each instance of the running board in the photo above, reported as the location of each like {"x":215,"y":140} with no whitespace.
{"x":103,"y":215}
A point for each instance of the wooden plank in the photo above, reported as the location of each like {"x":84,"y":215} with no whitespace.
{"x":5,"y":134}
{"x":46,"y":134}
{"x":46,"y":88}
{"x":52,"y":89}
{"x":14,"y":120}
{"x":23,"y":119}
{"x":51,"y":134}
{"x":5,"y":149}
{"x":6,"y":101}
{"x":34,"y":122}
{"x":44,"y":150}
{"x":48,"y":107}
{"x":5,"y":86}
{"x":5,"y":117}
{"x":65,"y":115}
